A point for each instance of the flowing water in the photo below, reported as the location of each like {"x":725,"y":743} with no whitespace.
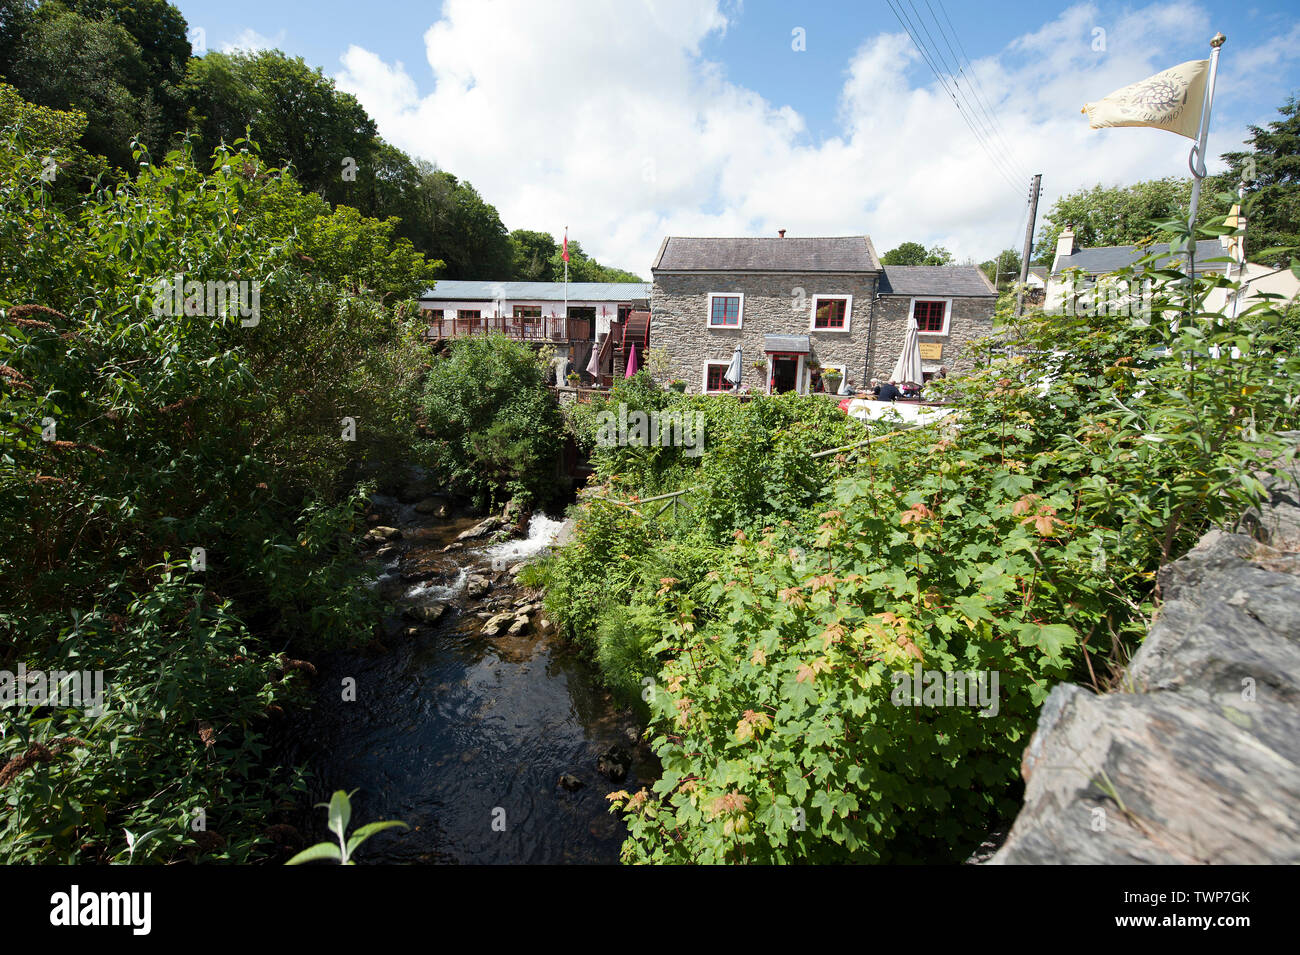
{"x":462,"y":736}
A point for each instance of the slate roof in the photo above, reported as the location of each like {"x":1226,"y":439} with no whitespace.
{"x":946,"y":280}
{"x":448,"y":290}
{"x":1110,"y":258}
{"x":848,"y":253}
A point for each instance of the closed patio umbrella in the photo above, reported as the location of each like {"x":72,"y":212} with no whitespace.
{"x":631,"y":361}
{"x":908,"y":367}
{"x":593,"y":366}
{"x":732,"y":374}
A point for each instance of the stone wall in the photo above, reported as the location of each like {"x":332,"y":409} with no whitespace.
{"x":1196,"y":758}
{"x":970,"y":318}
{"x":775,"y":304}
{"x":781,"y":303}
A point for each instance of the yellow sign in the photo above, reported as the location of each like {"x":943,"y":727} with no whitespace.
{"x":931,"y":351}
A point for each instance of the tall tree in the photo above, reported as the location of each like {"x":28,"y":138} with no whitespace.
{"x":1271,"y":170}
{"x":64,"y":61}
{"x":533,"y":255}
{"x":292,"y":110}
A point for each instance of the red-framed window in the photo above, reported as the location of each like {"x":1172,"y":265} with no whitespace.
{"x":713,"y":380}
{"x":929,"y":315}
{"x":830,"y":312}
{"x":464,"y":313}
{"x":528,"y":311}
{"x":624,"y":310}
{"x":724,"y":310}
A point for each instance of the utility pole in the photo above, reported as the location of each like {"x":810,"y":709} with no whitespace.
{"x":1029,"y":243}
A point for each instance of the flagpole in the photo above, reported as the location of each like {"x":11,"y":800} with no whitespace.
{"x":1196,"y":159}
{"x":566,"y":277}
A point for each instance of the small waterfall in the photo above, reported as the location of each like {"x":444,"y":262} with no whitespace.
{"x":542,"y":532}
{"x":428,"y":590}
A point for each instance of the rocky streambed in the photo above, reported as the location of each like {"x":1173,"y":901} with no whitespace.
{"x":470,"y":719}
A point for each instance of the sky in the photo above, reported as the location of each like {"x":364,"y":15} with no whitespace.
{"x":629,"y":120}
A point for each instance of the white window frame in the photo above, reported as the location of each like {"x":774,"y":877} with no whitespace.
{"x":740,"y":317}
{"x":947,"y":312}
{"x":848,"y":314}
{"x":704,"y":379}
{"x":800,"y":374}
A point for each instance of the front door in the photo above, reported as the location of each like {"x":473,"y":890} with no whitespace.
{"x":785,"y":374}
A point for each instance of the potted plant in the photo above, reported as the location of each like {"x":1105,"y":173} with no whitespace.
{"x":574,"y":378}
{"x":831,"y":379}
{"x":759,"y":366}
{"x":677,"y":385}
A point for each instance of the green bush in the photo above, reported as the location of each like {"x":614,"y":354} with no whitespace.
{"x":128,"y":438}
{"x":495,"y":429}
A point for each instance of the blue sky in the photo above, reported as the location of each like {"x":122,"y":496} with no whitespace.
{"x":632,"y":120}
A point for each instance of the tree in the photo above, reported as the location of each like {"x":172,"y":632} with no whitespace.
{"x":66,"y":61}
{"x":292,"y":110}
{"x":583,"y":268}
{"x":534,"y":256}
{"x":1271,"y":170}
{"x":1122,"y":215}
{"x":1003,"y":271}
{"x":914,"y":253}
{"x":160,"y":30}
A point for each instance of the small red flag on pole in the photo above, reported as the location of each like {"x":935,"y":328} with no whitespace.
{"x":564,"y":254}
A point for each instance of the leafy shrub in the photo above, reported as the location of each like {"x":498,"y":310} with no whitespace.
{"x":495,"y":428}
{"x":130,"y":437}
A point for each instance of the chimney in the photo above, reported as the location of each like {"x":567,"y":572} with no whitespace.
{"x":1065,"y":242}
{"x":781,"y":233}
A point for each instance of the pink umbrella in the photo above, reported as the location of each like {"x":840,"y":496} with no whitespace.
{"x":631,"y":361}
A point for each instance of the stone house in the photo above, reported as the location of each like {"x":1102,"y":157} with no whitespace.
{"x":795,"y":303}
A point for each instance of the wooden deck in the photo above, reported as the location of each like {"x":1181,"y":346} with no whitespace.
{"x":524,"y":329}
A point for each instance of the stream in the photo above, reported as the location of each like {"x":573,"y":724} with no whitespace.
{"x":464,"y":736}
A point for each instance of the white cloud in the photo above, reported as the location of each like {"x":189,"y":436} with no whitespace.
{"x":251,"y":41}
{"x":607,"y":118}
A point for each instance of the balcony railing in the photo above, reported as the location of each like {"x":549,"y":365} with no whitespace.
{"x":548,"y":329}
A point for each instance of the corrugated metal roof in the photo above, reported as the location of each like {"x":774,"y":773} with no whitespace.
{"x":850,"y":253}
{"x":1111,"y":258}
{"x":449,"y":290}
{"x":786,"y":343}
{"x":946,"y":280}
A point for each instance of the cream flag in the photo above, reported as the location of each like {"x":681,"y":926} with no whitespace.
{"x":1170,"y":100}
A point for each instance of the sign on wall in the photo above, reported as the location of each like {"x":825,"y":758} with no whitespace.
{"x":931,"y":351}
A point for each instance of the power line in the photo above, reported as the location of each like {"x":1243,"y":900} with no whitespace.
{"x":1000,"y":167}
{"x":955,"y":73}
{"x":978,"y":89}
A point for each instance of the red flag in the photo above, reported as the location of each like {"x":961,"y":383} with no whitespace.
{"x":564,"y":254}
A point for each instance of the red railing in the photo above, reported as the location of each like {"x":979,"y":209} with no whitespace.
{"x":552,"y":329}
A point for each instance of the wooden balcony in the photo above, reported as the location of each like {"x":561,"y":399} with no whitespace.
{"x":546,"y":329}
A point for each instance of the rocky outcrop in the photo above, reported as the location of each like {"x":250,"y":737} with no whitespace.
{"x":1196,"y":758}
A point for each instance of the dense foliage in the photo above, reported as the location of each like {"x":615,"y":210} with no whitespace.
{"x":1019,"y":539}
{"x":495,"y":431}
{"x":178,"y":497}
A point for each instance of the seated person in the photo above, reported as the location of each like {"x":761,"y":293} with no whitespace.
{"x":888,"y":392}
{"x":875,"y":387}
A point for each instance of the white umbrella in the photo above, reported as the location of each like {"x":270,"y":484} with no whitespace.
{"x":908,"y":367}
{"x":732,"y":374}
{"x":593,"y":366}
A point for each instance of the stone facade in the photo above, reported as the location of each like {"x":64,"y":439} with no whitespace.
{"x":781,"y":304}
{"x":968,"y":318}
{"x":774,"y":304}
